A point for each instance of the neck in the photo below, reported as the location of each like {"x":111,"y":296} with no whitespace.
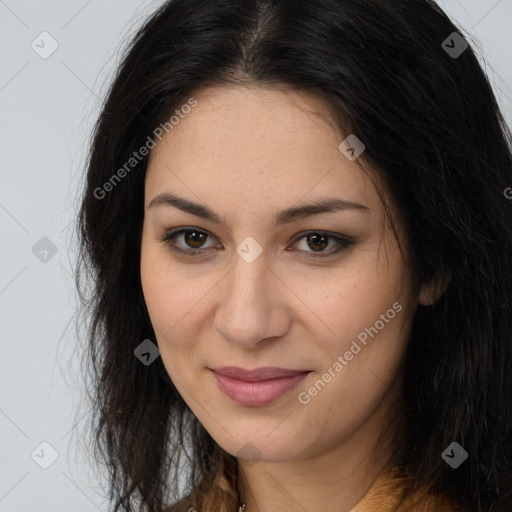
{"x":333,"y":479}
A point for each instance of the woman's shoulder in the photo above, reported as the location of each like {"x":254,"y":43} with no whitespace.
{"x":179,"y":507}
{"x":184,"y":505}
{"x":391,"y":492}
{"x":387,"y":494}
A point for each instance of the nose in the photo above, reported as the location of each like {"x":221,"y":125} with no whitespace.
{"x":253,"y":303}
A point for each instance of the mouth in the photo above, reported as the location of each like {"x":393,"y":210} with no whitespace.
{"x":257,"y":387}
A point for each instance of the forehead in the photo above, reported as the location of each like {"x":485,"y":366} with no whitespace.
{"x":258,"y":148}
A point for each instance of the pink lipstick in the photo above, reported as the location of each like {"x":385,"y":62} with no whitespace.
{"x":257,"y":387}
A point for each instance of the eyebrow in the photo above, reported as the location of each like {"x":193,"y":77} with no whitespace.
{"x":286,"y":216}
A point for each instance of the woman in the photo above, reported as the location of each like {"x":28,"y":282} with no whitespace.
{"x":298,"y":229}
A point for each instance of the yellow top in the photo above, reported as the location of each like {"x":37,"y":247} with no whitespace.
{"x":387,"y":491}
{"x":384,"y":495}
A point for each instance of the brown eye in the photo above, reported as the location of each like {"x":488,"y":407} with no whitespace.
{"x":193,"y":242}
{"x":194,"y":239}
{"x":317,"y":242}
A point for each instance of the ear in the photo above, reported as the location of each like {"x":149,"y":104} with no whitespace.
{"x":432,"y":291}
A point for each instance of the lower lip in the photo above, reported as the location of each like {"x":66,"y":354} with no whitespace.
{"x":256,"y":393}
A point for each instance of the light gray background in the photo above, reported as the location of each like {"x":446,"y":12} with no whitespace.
{"x":48,"y":107}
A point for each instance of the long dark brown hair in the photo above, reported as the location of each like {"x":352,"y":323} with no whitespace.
{"x":433,"y":129}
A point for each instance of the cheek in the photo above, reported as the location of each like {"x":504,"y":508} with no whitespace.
{"x":348,"y":300}
{"x":167,"y":293}
{"x":366,"y":317}
{"x":175,"y":297}
{"x":355,"y":375}
{"x":154,"y":281}
{"x":368,"y":345}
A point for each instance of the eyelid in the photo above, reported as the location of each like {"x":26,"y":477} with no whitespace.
{"x":168,"y":237}
{"x":343,"y":242}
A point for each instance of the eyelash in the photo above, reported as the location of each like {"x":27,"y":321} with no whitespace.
{"x":168,"y":240}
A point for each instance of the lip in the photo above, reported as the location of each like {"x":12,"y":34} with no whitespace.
{"x":257,"y":387}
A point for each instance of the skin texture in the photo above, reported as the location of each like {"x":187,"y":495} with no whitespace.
{"x":246,"y":153}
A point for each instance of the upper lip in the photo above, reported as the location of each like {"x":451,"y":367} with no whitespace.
{"x":258,"y":374}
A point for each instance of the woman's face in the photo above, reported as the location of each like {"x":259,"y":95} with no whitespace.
{"x":256,"y":291}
